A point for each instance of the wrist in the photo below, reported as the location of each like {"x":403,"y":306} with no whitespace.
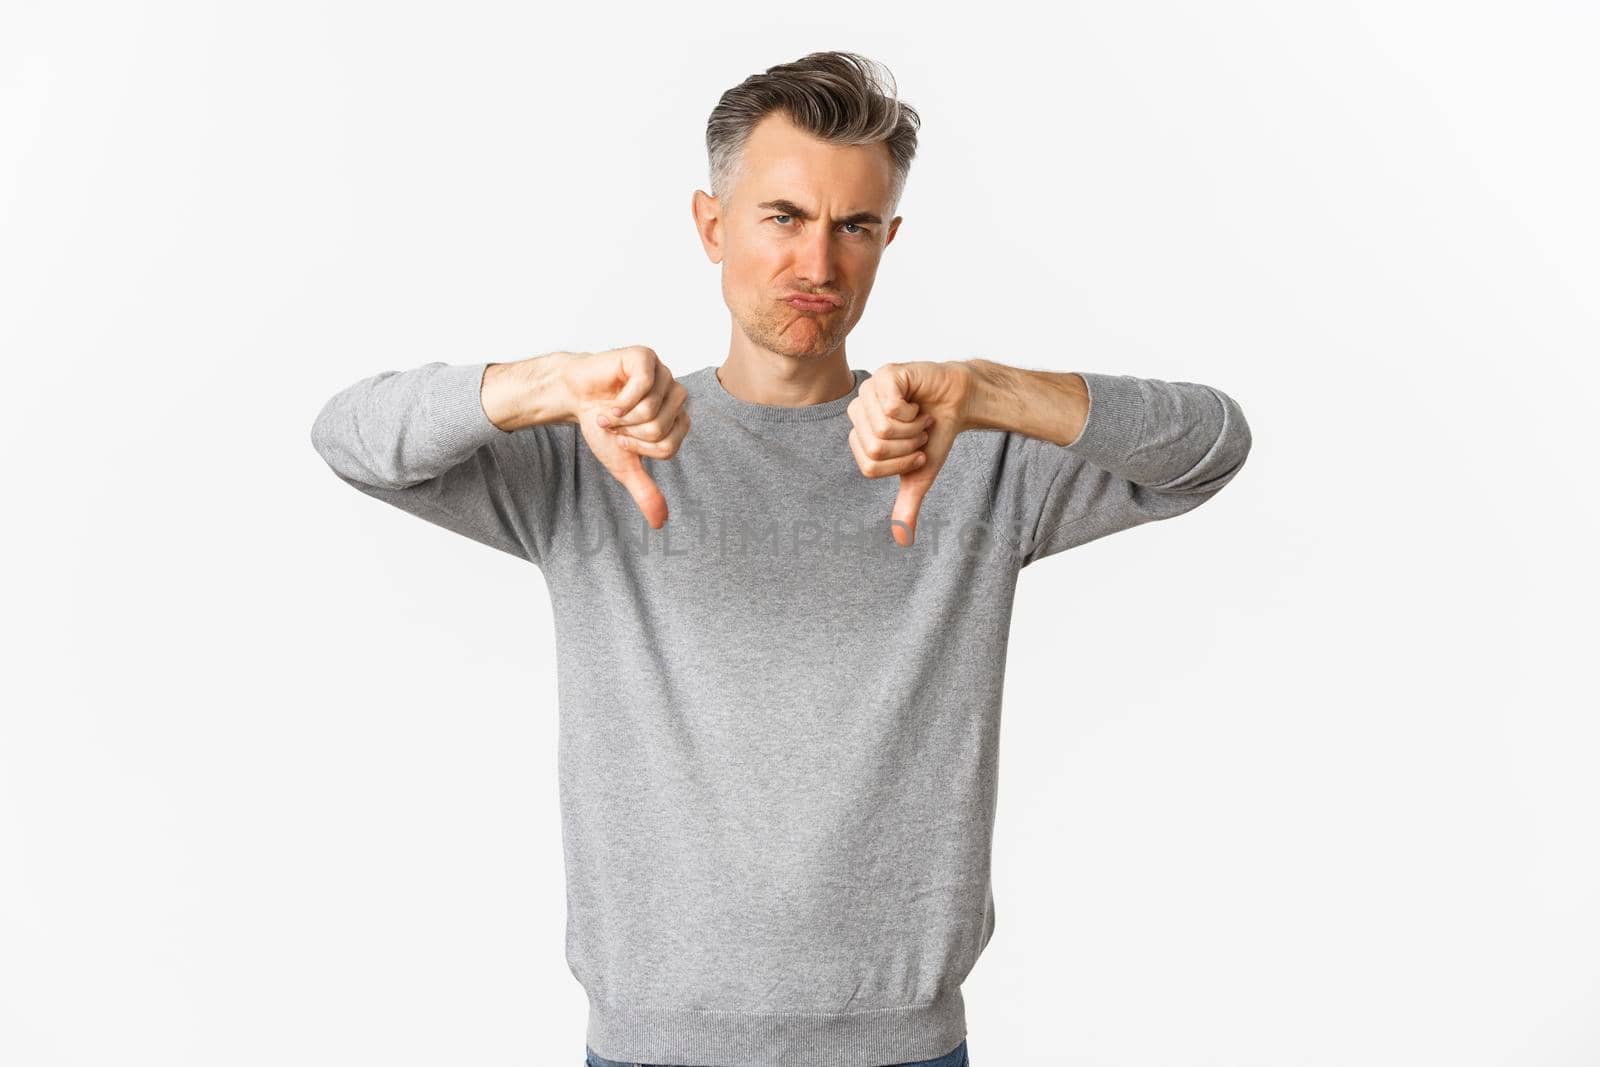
{"x":990,"y":395}
{"x":1049,"y":405}
{"x":528,"y":392}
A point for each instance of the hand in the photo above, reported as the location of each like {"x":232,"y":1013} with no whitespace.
{"x":652,"y":421}
{"x":906,"y":417}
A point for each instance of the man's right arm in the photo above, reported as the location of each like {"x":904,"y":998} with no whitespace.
{"x":482,"y":449}
{"x":529,"y":392}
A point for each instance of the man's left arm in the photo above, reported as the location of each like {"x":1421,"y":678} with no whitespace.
{"x":1153,"y":448}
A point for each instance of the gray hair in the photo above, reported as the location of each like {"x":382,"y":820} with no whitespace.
{"x":837,"y":97}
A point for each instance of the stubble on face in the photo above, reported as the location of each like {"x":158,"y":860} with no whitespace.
{"x":775,"y":326}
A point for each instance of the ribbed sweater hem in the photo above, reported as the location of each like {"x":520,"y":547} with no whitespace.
{"x":871,"y":1038}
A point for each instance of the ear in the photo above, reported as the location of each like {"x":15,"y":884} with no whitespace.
{"x":894,"y":228}
{"x":708,"y":223}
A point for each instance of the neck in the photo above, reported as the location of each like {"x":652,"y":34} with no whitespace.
{"x":763,"y":377}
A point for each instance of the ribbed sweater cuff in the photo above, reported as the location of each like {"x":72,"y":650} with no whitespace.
{"x":456,"y":420}
{"x":1115,"y":423}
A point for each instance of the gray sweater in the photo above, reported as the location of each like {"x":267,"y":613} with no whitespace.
{"x":778,"y":728}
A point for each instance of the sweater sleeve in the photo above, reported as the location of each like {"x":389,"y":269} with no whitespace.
{"x":420,"y":440}
{"x":1149,"y":449}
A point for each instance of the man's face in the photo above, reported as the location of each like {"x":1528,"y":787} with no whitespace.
{"x":769,"y":249}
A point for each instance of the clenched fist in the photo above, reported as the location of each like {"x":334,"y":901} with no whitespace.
{"x":628,"y":405}
{"x":905,"y":419}
{"x":625,"y":401}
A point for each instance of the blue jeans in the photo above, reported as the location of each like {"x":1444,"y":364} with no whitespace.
{"x":956,"y":1057}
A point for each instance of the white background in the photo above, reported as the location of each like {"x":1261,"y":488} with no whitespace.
{"x":1307,"y":777}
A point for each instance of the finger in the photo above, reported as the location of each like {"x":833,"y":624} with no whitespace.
{"x":883,"y":425}
{"x":907,"y":505}
{"x":646,"y":494}
{"x":915,"y":485}
{"x":638,"y":366}
{"x":665,"y":448}
{"x":881,"y":448}
{"x":888,"y":413}
{"x":889,"y":395}
{"x":881,"y":468}
{"x":650,"y":420}
{"x":650,"y":405}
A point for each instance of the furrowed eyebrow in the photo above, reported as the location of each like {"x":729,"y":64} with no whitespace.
{"x":789,"y":207}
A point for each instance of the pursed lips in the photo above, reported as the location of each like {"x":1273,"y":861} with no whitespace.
{"x":811,"y":302}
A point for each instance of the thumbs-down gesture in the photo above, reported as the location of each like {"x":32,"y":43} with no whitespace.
{"x":905,"y":420}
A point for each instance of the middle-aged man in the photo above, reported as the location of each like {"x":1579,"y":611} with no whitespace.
{"x":780,"y":710}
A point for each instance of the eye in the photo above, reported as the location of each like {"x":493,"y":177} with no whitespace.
{"x":859,"y":231}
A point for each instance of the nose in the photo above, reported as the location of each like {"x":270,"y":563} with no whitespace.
{"x":813,"y":261}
